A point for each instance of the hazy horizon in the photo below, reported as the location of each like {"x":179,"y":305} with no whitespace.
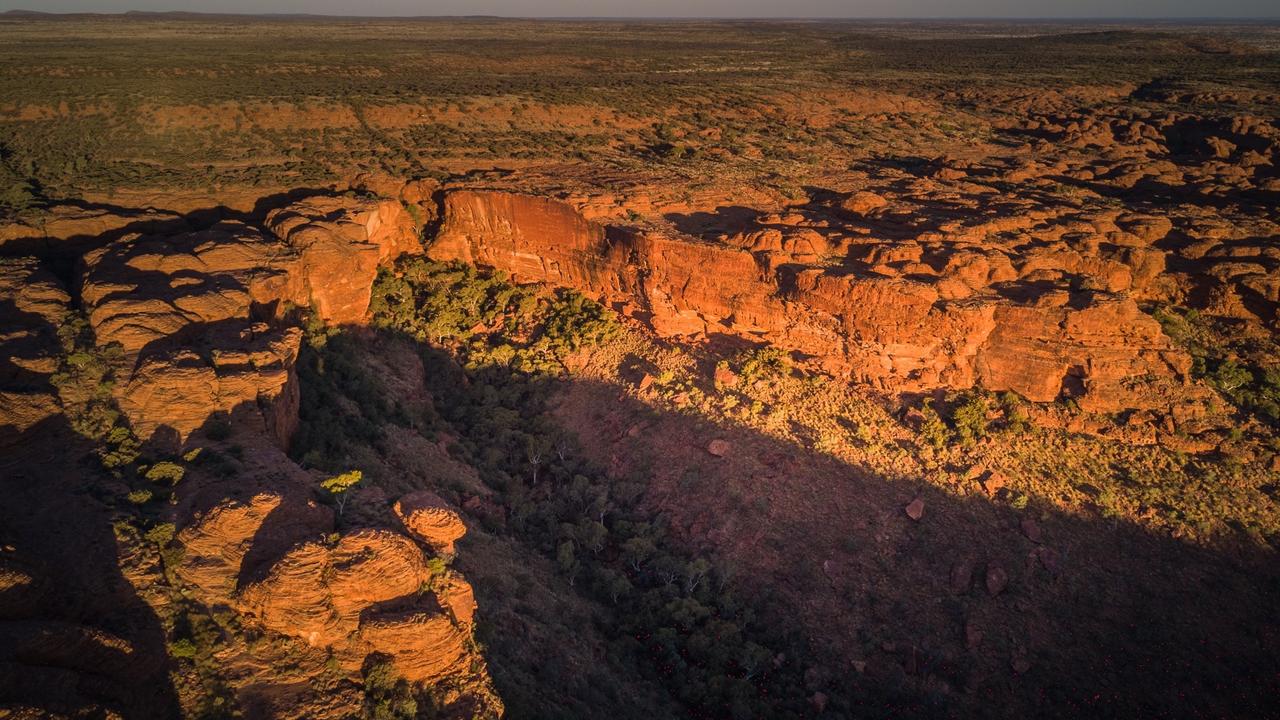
{"x":744,"y":9}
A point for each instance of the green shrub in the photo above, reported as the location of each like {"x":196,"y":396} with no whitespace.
{"x":573,"y":321}
{"x":183,"y":649}
{"x":139,"y":497}
{"x":761,"y":363}
{"x":1015,"y":414}
{"x":436,"y":566}
{"x":84,"y":380}
{"x":970,"y":417}
{"x":161,"y":534}
{"x":387,"y":696}
{"x":165,"y":472}
{"x":933,"y":428}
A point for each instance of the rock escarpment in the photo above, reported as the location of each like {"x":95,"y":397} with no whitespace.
{"x":273,"y":558}
{"x":199,"y":315}
{"x":904,"y":314}
{"x":203,"y":325}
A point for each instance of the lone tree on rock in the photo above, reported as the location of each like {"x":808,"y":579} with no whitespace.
{"x":338,"y":485}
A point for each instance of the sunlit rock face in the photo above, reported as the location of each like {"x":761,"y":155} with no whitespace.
{"x":966,"y":319}
{"x":199,"y":315}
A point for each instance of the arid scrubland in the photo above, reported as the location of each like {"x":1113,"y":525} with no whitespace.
{"x":478,"y":368}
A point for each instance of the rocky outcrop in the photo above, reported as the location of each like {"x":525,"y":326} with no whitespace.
{"x":317,"y":592}
{"x":32,"y":306}
{"x":192,"y":314}
{"x":64,"y":232}
{"x":203,"y":326}
{"x":259,"y":543}
{"x":199,"y":316}
{"x":936,"y":311}
{"x":217,"y":542}
{"x":173,"y":392}
{"x":430,"y":519}
{"x":142,"y":291}
{"x":367,"y":592}
{"x":362,"y":595}
{"x":338,"y":246}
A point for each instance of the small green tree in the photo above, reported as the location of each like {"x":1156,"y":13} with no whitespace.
{"x":970,"y":418}
{"x":387,"y":696}
{"x":338,"y":485}
{"x":932,"y":427}
{"x":761,"y":363}
{"x":166,"y":472}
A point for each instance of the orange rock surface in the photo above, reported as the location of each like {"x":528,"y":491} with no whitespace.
{"x":196,"y":314}
{"x":33,"y":307}
{"x":430,"y":519}
{"x":973,"y":322}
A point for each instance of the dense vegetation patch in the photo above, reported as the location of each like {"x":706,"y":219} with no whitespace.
{"x":1243,"y":373}
{"x":493,"y":352}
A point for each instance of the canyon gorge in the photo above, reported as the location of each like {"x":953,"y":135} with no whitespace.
{"x":953,"y":400}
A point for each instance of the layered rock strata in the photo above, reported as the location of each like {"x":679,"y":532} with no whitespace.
{"x":203,"y":325}
{"x":197,"y":315}
{"x":33,"y":305}
{"x":878,"y":311}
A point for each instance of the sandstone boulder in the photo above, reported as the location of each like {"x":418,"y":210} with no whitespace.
{"x":430,"y":519}
{"x":216,"y":542}
{"x":425,"y":646}
{"x":863,"y":203}
{"x":317,"y":593}
{"x":366,"y":594}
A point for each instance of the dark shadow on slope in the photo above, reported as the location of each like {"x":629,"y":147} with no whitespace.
{"x":725,"y":220}
{"x":61,"y":253}
{"x":57,"y":646}
{"x":1151,"y":195}
{"x":1097,"y":617}
{"x":15,"y":376}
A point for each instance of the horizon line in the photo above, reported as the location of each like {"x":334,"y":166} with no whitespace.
{"x":19,"y":12}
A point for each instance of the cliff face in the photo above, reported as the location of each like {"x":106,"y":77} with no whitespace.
{"x":196,"y":314}
{"x":532,"y":237}
{"x":203,"y":324}
{"x":946,"y":323}
{"x":202,"y":327}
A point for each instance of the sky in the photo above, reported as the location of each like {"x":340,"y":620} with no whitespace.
{"x":692,"y":8}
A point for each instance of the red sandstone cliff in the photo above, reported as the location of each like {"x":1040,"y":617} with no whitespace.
{"x":202,"y":322}
{"x":905,"y":331}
